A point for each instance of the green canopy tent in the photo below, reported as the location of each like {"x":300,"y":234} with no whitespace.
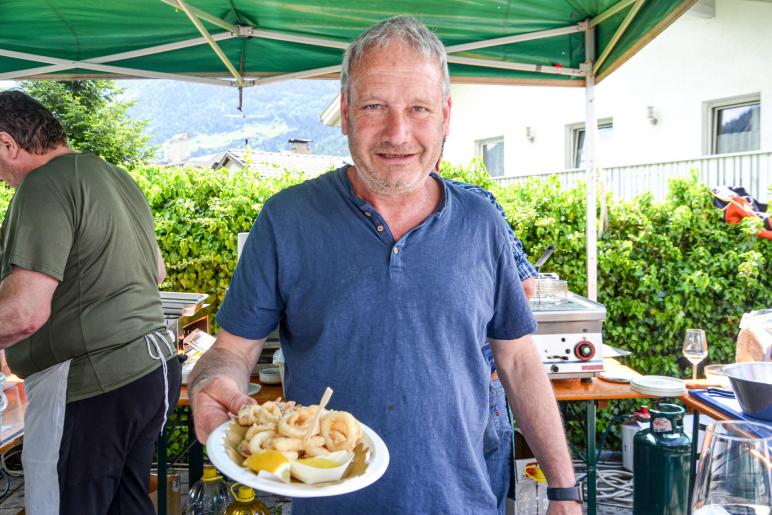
{"x":246,"y":43}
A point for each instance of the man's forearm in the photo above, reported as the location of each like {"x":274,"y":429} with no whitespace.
{"x":25,"y":304}
{"x":218,"y":385}
{"x":533,"y":404}
{"x":224,"y":362}
{"x":14,"y":326}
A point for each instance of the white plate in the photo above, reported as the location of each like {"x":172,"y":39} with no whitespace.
{"x":253,"y":388}
{"x":270,"y":376}
{"x":377,"y":462}
{"x":659,"y":386}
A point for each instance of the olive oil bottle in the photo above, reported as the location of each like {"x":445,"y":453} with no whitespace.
{"x":245,"y":502}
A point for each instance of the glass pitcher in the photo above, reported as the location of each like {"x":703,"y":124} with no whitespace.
{"x":734,"y":474}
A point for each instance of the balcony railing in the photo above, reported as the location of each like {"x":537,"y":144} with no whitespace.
{"x":752,"y":170}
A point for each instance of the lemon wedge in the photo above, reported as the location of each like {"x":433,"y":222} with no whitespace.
{"x":272,"y":463}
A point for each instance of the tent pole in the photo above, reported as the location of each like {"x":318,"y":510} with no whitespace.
{"x":118,"y":57}
{"x":212,"y":43}
{"x":70,"y":64}
{"x":590,"y":136}
{"x":509,"y":65}
{"x":303,"y":74}
{"x":507,"y":40}
{"x":617,"y":35}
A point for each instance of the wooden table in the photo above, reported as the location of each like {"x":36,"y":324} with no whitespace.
{"x":595,"y":392}
{"x":12,"y":431}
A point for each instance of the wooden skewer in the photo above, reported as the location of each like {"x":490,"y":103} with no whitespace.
{"x":322,"y":403}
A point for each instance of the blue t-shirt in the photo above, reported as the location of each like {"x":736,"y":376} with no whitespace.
{"x":524,"y":268}
{"x":394,"y":328}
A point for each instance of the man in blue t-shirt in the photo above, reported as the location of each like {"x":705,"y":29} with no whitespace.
{"x":498,"y":444}
{"x":385,"y":280}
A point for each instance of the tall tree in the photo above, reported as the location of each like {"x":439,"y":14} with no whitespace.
{"x":94,"y":117}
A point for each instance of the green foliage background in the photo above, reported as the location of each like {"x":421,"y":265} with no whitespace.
{"x":93,"y":114}
{"x":662,"y":266}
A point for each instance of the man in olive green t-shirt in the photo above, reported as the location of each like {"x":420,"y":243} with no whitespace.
{"x":81,"y":319}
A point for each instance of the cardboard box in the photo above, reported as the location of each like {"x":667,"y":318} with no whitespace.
{"x":173,"y":493}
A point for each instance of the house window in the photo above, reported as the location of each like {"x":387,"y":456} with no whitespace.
{"x":576,"y":137}
{"x":492,"y":153}
{"x":734,"y":125}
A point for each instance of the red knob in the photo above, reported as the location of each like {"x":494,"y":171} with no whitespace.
{"x":584,"y":350}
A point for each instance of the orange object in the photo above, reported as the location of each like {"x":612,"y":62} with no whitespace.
{"x":737,"y":209}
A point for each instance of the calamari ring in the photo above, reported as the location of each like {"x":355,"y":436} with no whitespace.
{"x":257,"y":442}
{"x":313,"y":452}
{"x":248,"y":414}
{"x":243,"y":449}
{"x":258,"y":428}
{"x":270,"y":413}
{"x":297,"y":423}
{"x":286,"y":407}
{"x":340,"y":430}
{"x":283,"y":444}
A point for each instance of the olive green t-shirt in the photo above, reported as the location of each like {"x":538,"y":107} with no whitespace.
{"x":86,"y":223}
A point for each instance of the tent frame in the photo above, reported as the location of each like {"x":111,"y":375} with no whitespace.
{"x":198,"y":17}
{"x":108,"y":66}
{"x":587,"y":71}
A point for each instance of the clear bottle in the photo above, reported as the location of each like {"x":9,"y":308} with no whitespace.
{"x":531,"y":498}
{"x":245,"y":502}
{"x":208,"y":496}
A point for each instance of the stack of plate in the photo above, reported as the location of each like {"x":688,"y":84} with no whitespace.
{"x":658,"y":386}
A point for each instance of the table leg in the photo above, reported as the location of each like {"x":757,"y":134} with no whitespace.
{"x":591,"y":471}
{"x":163,"y":441}
{"x":196,"y":454}
{"x":693,"y":459}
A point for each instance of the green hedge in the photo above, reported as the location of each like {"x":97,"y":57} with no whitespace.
{"x":198,"y":215}
{"x":662,"y":266}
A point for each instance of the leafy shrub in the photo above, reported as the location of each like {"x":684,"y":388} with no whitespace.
{"x":198,"y":215}
{"x":662,"y":266}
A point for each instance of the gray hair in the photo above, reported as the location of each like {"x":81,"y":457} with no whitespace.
{"x":405,"y":29}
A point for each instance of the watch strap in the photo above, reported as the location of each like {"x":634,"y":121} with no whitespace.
{"x":571,"y":493}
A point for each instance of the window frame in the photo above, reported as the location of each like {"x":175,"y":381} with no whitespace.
{"x":572,"y":136}
{"x":478,"y":150}
{"x":710,"y":109}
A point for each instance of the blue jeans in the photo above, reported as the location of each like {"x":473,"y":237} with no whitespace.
{"x":497,"y":445}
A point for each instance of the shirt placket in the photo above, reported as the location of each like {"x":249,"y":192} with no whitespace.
{"x":384,"y":233}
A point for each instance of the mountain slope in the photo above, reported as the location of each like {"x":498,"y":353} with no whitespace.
{"x":271,"y":114}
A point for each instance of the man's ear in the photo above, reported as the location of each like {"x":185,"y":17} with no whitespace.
{"x":343,"y":113}
{"x":8,"y":145}
{"x":446,"y":117}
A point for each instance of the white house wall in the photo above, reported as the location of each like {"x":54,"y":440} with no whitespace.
{"x":696,"y":60}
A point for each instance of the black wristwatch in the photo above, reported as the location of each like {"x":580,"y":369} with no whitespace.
{"x":571,"y":493}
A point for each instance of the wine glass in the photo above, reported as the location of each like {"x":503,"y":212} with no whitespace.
{"x":734,"y":474}
{"x":695,"y":348}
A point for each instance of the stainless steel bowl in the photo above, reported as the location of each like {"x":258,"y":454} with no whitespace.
{"x":752,"y":385}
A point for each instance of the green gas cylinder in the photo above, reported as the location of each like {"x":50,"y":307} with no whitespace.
{"x":661,"y":464}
